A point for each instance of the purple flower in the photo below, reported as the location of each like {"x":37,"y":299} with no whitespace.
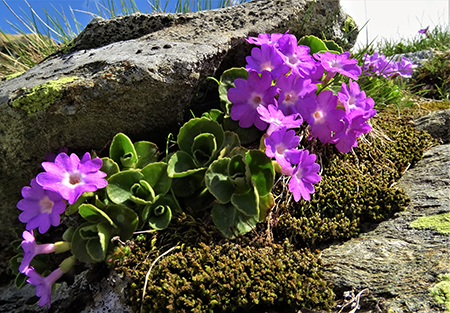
{"x":70,"y":177}
{"x":43,"y":284}
{"x":424,"y":30}
{"x":292,"y":88}
{"x":41,"y":208}
{"x":354,"y":99}
{"x":281,"y":145}
{"x":270,"y":39}
{"x":276,"y":119}
{"x":322,"y":116}
{"x":304,"y":176}
{"x":31,"y":249}
{"x":404,"y":67}
{"x":355,"y":123}
{"x":297,"y":57}
{"x":248,"y":95}
{"x":266,"y":59}
{"x":338,"y":63}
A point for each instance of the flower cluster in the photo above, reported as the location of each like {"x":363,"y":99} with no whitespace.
{"x":379,"y":65}
{"x":64,"y":180}
{"x":286,"y":86}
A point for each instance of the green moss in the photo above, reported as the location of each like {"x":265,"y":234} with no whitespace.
{"x":441,"y":291}
{"x":231,"y":277}
{"x":438,"y":222}
{"x":41,"y":96}
{"x":356,"y":188}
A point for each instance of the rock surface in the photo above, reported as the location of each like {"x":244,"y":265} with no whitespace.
{"x":437,"y":124}
{"x":397,"y":263}
{"x":136,"y":74}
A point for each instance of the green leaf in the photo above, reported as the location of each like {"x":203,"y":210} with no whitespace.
{"x":230,"y":142}
{"x":226,"y":82}
{"x":95,"y":250}
{"x":239,"y":174}
{"x":68,"y":234}
{"x":105,"y":234}
{"x":262,"y":172}
{"x":73,"y":208}
{"x":196,"y":126}
{"x":230,"y":222}
{"x":265,"y":204}
{"x":158,"y":214}
{"x":315,"y":44}
{"x":109,"y":167}
{"x":142,"y":193}
{"x":217,"y":180}
{"x":125,"y":218}
{"x":119,"y":185}
{"x":20,"y":281}
{"x":94,"y":215}
{"x":147,"y":153}
{"x":187,"y":186}
{"x":246,"y":135}
{"x":204,"y":149}
{"x":122,"y":151}
{"x":79,"y":249}
{"x":247,"y":203}
{"x":181,"y":164}
{"x":333,"y":47}
{"x":156,"y":175}
{"x":214,"y":114}
{"x":89,"y":231}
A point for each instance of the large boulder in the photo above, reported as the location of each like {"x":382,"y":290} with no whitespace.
{"x":137,"y":74}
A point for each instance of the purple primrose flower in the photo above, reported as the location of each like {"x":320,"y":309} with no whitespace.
{"x":338,"y":63}
{"x":266,"y":59}
{"x":424,"y":30}
{"x":304,"y":176}
{"x":322,"y":116}
{"x":355,"y":123}
{"x":70,"y":177}
{"x":354,"y":99}
{"x":248,"y":95}
{"x":41,"y":208}
{"x":276,"y":119}
{"x":43,"y":284}
{"x":292,"y":88}
{"x":282,"y":145}
{"x":31,"y":249}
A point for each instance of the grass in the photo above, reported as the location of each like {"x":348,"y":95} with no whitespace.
{"x":38,"y":37}
{"x":32,"y":45}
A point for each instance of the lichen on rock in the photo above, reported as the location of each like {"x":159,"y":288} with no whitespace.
{"x":437,"y":222}
{"x":41,"y":96}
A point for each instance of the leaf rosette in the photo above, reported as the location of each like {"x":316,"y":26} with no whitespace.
{"x":241,"y":185}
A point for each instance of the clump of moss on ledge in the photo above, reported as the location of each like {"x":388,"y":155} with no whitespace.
{"x":356,"y":188}
{"x":232,"y":277}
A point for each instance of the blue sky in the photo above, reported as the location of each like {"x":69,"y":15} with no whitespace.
{"x":390,"y":19}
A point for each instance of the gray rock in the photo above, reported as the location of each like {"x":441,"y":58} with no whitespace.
{"x":437,"y":124}
{"x":90,"y":292}
{"x":418,"y":58}
{"x":396,"y":262}
{"x":138,"y":75}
